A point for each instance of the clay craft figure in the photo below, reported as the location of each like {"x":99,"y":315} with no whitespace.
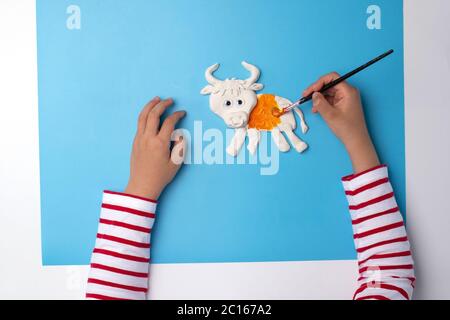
{"x":237,"y":103}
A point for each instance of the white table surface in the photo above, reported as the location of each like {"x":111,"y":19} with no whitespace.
{"x":427,"y":93}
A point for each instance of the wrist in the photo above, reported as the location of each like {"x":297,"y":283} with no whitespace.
{"x":362,"y":154}
{"x":146,"y":191}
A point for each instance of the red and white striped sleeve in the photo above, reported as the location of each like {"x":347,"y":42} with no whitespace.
{"x":120,"y":261}
{"x":386,"y":269}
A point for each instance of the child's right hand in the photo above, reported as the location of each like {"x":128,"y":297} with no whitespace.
{"x":341,"y":109}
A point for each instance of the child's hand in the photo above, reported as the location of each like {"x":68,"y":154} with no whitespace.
{"x":153,"y":163}
{"x":342,"y":110}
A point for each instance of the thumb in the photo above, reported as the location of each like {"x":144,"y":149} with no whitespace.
{"x":321,"y":105}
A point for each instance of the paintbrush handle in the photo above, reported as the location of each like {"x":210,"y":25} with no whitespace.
{"x":337,"y":81}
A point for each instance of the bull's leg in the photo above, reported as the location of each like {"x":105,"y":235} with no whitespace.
{"x":237,"y":141}
{"x":298,"y":144}
{"x":303,"y":124}
{"x":279,"y":140}
{"x":253,"y":140}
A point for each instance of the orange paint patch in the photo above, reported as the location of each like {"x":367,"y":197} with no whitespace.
{"x":261,"y":117}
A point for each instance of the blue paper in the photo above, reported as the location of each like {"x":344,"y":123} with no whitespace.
{"x":94,"y":80}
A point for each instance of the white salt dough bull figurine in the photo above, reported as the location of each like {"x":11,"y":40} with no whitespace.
{"x":237,"y":103}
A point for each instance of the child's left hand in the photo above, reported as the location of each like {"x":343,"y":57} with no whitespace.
{"x":153,"y":163}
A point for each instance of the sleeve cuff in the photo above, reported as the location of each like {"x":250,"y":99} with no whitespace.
{"x":355,"y":181}
{"x":133,"y":204}
{"x":129,"y":195}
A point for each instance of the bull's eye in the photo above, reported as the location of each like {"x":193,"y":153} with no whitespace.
{"x":240,"y":102}
{"x":227,"y":103}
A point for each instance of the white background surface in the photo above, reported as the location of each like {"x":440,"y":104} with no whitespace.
{"x":427,"y":90}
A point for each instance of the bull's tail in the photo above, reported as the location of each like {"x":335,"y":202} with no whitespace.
{"x":303,"y":124}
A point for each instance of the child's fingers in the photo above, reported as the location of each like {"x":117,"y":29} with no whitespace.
{"x":154,"y":116}
{"x":321,"y":105}
{"x":142,"y":120}
{"x":331,"y":92}
{"x":319,"y":84}
{"x":308,"y":90}
{"x":178,"y":151}
{"x":169,"y":124}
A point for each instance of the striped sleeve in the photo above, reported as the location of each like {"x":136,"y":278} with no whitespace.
{"x":120,"y":260}
{"x":386,"y":269}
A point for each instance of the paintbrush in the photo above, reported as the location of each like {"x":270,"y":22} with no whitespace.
{"x":278,"y":113}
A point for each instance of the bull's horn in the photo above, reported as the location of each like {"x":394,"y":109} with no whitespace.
{"x":209,"y":74}
{"x":254,"y":72}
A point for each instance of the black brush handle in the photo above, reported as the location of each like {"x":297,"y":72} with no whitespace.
{"x":342,"y":78}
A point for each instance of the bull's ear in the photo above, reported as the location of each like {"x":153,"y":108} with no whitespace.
{"x":207,"y":90}
{"x":256,"y":87}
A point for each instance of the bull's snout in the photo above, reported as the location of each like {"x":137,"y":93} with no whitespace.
{"x":236,"y":119}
